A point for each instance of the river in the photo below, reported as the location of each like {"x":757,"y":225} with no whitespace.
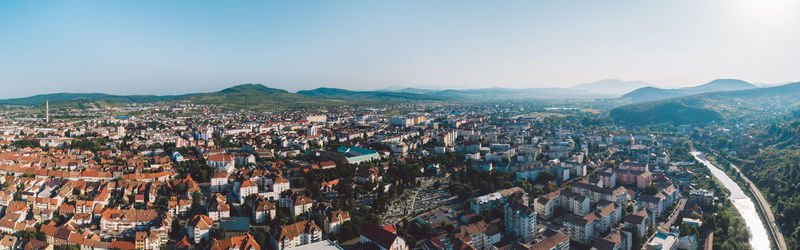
{"x":759,"y":238}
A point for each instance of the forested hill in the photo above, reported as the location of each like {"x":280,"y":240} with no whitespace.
{"x":761,"y":104}
{"x":653,"y":94}
{"x":66,"y":97}
{"x":253,"y":96}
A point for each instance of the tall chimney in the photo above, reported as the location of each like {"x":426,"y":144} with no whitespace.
{"x":47,"y":111}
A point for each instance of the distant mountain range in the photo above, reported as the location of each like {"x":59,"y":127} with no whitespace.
{"x":608,"y":88}
{"x":343,"y":94}
{"x":611,"y":87}
{"x":508,"y":94}
{"x":652,"y":93}
{"x":257,"y":96}
{"x":60,"y":97}
{"x":750,"y":103}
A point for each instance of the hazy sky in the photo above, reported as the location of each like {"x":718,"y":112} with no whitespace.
{"x":169,"y":47}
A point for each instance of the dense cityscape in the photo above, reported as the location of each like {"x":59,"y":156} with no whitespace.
{"x":510,"y":175}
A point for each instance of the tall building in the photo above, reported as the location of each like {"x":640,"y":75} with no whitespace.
{"x":121,"y":131}
{"x":520,"y":220}
{"x":311,"y":131}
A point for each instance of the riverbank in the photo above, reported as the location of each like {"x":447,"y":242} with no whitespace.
{"x":765,"y":211}
{"x":759,"y":236}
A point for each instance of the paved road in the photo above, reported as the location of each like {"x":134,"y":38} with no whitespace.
{"x":672,"y":217}
{"x":765,"y":210}
{"x":668,"y":223}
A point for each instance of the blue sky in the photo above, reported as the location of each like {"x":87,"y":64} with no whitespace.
{"x":172,"y":47}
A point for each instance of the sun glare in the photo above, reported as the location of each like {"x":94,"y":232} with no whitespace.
{"x":768,"y":12}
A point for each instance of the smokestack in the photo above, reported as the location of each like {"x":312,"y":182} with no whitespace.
{"x":47,"y":111}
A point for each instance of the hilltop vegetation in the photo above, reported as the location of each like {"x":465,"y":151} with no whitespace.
{"x":673,"y":112}
{"x":247,"y":96}
{"x":652,"y":93}
{"x":255,"y":96}
{"x":83,"y":97}
{"x":761,"y":104}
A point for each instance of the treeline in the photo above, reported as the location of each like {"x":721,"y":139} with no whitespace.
{"x":25,"y":144}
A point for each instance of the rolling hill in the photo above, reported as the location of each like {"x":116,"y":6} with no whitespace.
{"x":254,"y":96}
{"x":368,"y":96}
{"x":82,"y":97}
{"x":653,"y":94}
{"x":260,"y":96}
{"x":759,"y":104}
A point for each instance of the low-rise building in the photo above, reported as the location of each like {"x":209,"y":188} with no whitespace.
{"x":295,"y":235}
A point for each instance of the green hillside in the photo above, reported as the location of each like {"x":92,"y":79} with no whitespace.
{"x":248,"y":96}
{"x":82,"y":97}
{"x":671,"y":112}
{"x":256,"y":96}
{"x":653,"y":94}
{"x":761,"y":104}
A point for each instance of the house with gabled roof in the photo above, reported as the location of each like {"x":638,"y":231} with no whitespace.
{"x":199,"y":227}
{"x":381,"y":238}
{"x":263,"y":209}
{"x":295,"y":235}
{"x":244,"y":242}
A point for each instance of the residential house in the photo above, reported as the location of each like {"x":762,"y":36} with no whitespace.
{"x":199,"y":227}
{"x":480,"y":234}
{"x":262,"y":210}
{"x":295,"y":235}
{"x":381,"y":238}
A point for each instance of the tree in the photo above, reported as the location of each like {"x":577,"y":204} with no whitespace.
{"x":525,"y":185}
{"x":651,"y":189}
{"x":345,"y":189}
{"x":66,"y":247}
{"x":25,"y":144}
{"x":197,"y":198}
{"x":31,"y":235}
{"x":380,"y":200}
{"x":544,"y":178}
{"x":221,"y":233}
{"x":180,"y":188}
{"x":349,"y":231}
{"x":688,"y":230}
